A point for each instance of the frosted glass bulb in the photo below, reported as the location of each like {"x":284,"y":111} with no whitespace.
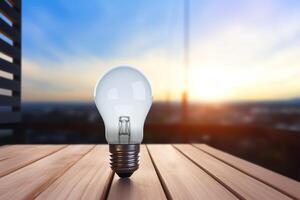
{"x":123,"y":97}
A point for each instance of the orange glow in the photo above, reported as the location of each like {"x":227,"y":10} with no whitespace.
{"x":211,"y":85}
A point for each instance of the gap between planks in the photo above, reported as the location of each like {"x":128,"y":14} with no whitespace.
{"x":244,"y":186}
{"x":211,"y":174}
{"x":88,"y":178}
{"x":182,"y":178}
{"x":161,"y":180}
{"x":31,"y":180}
{"x":143,"y":184}
{"x":16,"y":157}
{"x":277,"y":181}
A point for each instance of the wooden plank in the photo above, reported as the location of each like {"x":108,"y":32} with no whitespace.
{"x":26,"y":155}
{"x":9,"y":12}
{"x":182,"y":179}
{"x":9,"y":67}
{"x":9,"y":151}
{"x":281,"y":183}
{"x":9,"y":50}
{"x":236,"y":181}
{"x":28,"y":182}
{"x":143,"y":184}
{"x":9,"y":31}
{"x":9,"y":100}
{"x":9,"y":117}
{"x":9,"y":84}
{"x":89,"y":178}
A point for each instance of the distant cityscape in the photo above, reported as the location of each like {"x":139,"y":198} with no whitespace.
{"x":266,"y":133}
{"x":283,"y":115}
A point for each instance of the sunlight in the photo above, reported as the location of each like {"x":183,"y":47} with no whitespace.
{"x":211,"y":84}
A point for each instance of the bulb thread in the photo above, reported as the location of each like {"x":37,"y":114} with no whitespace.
{"x":124,"y":158}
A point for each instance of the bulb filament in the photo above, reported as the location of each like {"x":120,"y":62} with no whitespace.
{"x":124,"y":128}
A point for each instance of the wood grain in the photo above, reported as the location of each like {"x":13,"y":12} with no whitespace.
{"x":28,"y":182}
{"x":182,"y":178}
{"x":245,"y":186}
{"x":21,"y":155}
{"x":280,"y":182}
{"x":89,"y":178}
{"x":143,"y":184}
{"x":180,"y":171}
{"x":8,"y":151}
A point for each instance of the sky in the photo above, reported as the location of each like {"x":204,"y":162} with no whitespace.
{"x":239,"y":49}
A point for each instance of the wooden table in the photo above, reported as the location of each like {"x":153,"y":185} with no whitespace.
{"x":180,"y":171}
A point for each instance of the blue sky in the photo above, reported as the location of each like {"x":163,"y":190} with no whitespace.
{"x":240,"y":50}
{"x":101,"y":28}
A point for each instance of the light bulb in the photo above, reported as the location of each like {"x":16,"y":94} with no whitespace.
{"x":123,"y":97}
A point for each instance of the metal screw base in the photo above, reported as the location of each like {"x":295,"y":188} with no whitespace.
{"x":124,"y":158}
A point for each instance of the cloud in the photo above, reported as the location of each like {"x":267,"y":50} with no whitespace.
{"x":240,"y":50}
{"x":74,"y":77}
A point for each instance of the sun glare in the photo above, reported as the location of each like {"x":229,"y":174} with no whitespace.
{"x":211,"y":85}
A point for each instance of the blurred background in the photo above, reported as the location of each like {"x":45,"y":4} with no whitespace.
{"x":224,"y":73}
